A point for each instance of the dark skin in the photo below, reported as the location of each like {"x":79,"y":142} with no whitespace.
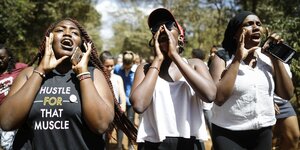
{"x":172,"y":67}
{"x":97,"y":104}
{"x":249,"y":39}
{"x":4,"y":58}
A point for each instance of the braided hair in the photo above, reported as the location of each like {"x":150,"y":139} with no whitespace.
{"x":120,"y":120}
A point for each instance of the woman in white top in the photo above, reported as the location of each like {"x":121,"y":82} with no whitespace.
{"x":243,"y":111}
{"x":168,"y":93}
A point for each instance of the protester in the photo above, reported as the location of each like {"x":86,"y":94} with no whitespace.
{"x":9,"y":69}
{"x":126,"y":71}
{"x":168,"y":93}
{"x":61,"y":105}
{"x":286,"y":130}
{"x":243,"y":111}
{"x":118,"y":86}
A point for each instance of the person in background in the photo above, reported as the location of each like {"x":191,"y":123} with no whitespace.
{"x":118,"y":86}
{"x":243,"y":111}
{"x":62,"y":103}
{"x":219,"y":50}
{"x":119,"y":60}
{"x":168,"y":93}
{"x":9,"y":70}
{"x":137,"y":59}
{"x":127,"y":71}
{"x":198,"y":53}
{"x":286,"y":130}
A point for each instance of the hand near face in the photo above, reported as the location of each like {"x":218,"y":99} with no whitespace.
{"x":158,"y":53}
{"x":273,"y":38}
{"x":242,"y":52}
{"x":49,"y":61}
{"x":172,"y":41}
{"x":82,"y":66}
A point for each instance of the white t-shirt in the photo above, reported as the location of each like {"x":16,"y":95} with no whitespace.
{"x":251,"y":103}
{"x":175,"y":111}
{"x":114,"y":81}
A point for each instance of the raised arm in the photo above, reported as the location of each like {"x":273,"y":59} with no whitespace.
{"x":97,"y":96}
{"x":225,"y":78}
{"x":97,"y":102}
{"x":17,"y":104}
{"x":283,"y":84}
{"x":143,"y":87}
{"x":197,"y":75}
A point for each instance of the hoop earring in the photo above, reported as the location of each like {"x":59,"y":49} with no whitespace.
{"x":180,"y":38}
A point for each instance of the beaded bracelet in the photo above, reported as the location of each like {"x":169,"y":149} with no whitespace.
{"x":83,"y":73}
{"x":85,"y":76}
{"x":40,"y":73}
{"x":154,"y":68}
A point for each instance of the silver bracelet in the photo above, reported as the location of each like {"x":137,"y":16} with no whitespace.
{"x":154,"y":68}
{"x":40,"y":73}
{"x":83,"y":73}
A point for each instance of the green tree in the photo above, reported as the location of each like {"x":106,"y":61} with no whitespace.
{"x":23,"y":22}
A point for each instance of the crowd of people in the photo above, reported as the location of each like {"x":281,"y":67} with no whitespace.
{"x":77,"y":101}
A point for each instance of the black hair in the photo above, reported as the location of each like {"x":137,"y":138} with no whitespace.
{"x":120,"y":120}
{"x":198,"y":53}
{"x":230,"y":42}
{"x":105,"y":55}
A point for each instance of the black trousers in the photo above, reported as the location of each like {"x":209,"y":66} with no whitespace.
{"x":224,"y":139}
{"x":173,"y":143}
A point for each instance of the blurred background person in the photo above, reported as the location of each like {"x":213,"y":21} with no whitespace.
{"x":9,"y":70}
{"x":118,"y":87}
{"x":127,"y":70}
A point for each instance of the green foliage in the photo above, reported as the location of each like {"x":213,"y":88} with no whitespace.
{"x":283,"y":17}
{"x":132,"y":36}
{"x":24,"y":22}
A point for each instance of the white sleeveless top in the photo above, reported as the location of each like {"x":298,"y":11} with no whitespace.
{"x":175,"y":111}
{"x":251,"y":103}
{"x":115,"y":85}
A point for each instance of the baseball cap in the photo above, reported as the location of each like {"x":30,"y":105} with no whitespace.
{"x":161,"y":15}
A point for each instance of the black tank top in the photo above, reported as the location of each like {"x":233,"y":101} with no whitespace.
{"x":55,"y":119}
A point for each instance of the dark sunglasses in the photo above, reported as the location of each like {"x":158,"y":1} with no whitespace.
{"x":169,"y":25}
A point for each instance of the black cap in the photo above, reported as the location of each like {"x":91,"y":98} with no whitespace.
{"x":162,"y":15}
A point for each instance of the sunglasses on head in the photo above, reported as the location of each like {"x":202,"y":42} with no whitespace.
{"x":169,"y":25}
